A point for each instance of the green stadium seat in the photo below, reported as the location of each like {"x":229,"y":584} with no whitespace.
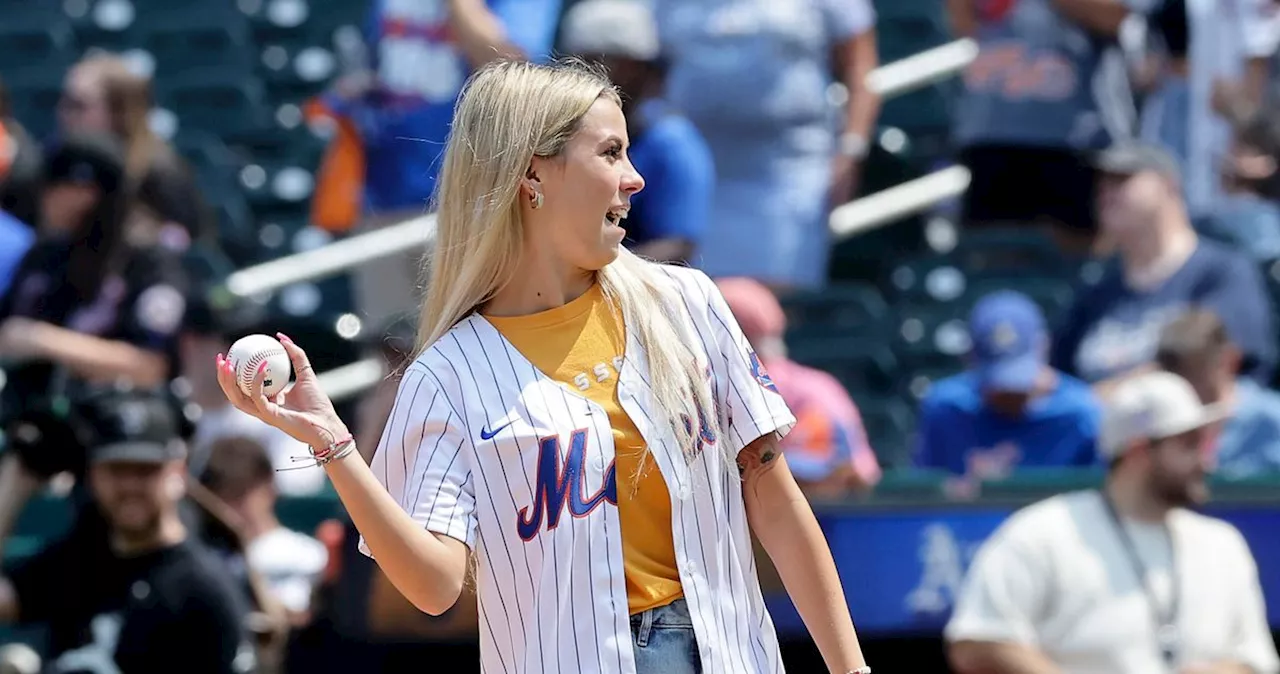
{"x":277,"y":186}
{"x":928,"y":328}
{"x":1012,"y":253}
{"x":194,"y":37}
{"x":34,"y":33}
{"x":863,"y":367}
{"x":34,"y":93}
{"x":845,"y":307}
{"x":327,"y":16}
{"x":217,"y":101}
{"x":890,"y":425}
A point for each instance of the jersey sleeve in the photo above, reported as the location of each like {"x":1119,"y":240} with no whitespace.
{"x":748,"y":401}
{"x":423,"y":458}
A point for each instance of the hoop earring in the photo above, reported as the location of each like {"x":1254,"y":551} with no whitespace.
{"x":537,"y":200}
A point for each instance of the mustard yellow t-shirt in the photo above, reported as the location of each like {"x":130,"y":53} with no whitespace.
{"x":577,"y":344}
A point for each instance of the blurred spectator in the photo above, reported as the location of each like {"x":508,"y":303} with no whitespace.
{"x":397,"y":97}
{"x":1114,"y":326}
{"x":1214,"y":73}
{"x":208,"y":331}
{"x":1010,"y":409}
{"x":827,"y":450}
{"x":241,"y":475}
{"x":103,"y":95}
{"x":1043,"y":91}
{"x":147,"y":597}
{"x":754,"y":77}
{"x":1195,"y":346}
{"x":1247,"y":214}
{"x":21,"y":162}
{"x":1124,"y":579}
{"x":86,"y":303}
{"x":668,"y":217}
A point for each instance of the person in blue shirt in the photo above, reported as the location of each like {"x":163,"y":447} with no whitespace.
{"x":668,"y":218}
{"x":1196,"y":347}
{"x":1010,"y":409}
{"x":1162,"y":268}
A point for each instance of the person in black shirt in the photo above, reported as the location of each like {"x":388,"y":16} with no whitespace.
{"x":146,"y":597}
{"x":97,"y":298}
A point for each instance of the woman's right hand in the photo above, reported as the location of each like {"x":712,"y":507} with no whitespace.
{"x":303,"y":410}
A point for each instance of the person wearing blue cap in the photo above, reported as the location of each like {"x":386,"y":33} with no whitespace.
{"x":1010,"y":408}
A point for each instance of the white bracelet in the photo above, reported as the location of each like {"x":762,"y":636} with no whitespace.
{"x":860,"y":670}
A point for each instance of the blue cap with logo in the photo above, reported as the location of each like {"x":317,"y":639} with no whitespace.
{"x":1009,"y":341}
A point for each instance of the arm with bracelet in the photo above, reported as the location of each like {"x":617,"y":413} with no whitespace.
{"x":427,"y":568}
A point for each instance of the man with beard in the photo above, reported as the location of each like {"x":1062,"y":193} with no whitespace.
{"x":1125,"y":579}
{"x":145,"y":597}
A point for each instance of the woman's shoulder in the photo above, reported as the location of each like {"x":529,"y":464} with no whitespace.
{"x":684,"y":279}
{"x":441,"y":362}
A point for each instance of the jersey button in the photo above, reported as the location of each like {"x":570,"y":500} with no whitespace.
{"x":683,"y":492}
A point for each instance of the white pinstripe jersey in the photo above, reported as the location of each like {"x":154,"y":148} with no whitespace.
{"x":484,"y":448}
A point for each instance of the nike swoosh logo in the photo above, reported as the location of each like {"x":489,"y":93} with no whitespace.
{"x":486,"y":434}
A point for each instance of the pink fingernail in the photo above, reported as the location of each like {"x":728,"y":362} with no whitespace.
{"x":262,"y":367}
{"x":283,"y":337}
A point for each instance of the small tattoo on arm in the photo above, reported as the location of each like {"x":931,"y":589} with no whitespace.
{"x":768,"y":455}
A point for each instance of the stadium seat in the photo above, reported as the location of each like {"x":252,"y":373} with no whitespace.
{"x":1011,"y":253}
{"x":192,"y":38}
{"x":34,"y":93}
{"x":927,"y":328}
{"x":864,"y":367}
{"x":844,"y":307}
{"x":890,"y":425}
{"x":34,"y":33}
{"x":293,"y":74}
{"x":217,"y":101}
{"x":275,"y":186}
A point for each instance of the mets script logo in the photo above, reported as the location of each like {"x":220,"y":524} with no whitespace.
{"x":561,"y":484}
{"x":706,"y":432}
{"x":761,"y":374}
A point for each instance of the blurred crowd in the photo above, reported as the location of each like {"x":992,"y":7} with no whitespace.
{"x":1139,"y":137}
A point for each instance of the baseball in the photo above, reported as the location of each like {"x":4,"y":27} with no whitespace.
{"x":248,"y":354}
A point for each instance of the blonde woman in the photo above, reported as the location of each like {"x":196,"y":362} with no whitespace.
{"x":543,"y":441}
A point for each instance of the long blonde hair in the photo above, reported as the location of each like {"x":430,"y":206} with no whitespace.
{"x":508,"y":113}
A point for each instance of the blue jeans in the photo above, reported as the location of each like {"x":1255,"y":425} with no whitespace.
{"x":664,"y":640}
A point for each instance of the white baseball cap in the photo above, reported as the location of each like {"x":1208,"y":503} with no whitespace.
{"x":1152,"y":406}
{"x":624,"y":28}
